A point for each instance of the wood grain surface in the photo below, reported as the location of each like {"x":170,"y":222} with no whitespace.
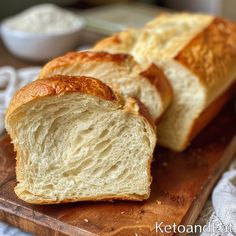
{"x":181,"y":184}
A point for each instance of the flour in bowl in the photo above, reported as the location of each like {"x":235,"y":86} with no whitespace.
{"x":45,"y":18}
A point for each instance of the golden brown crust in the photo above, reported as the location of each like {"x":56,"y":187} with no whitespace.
{"x":211,"y":55}
{"x":82,"y":57}
{"x":87,"y":56}
{"x":60,"y":84}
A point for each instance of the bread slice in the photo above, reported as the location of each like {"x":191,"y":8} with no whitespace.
{"x":197,"y":53}
{"x":76,"y":140}
{"x":121,"y":72}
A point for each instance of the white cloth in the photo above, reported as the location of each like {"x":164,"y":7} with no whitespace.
{"x":221,"y":211}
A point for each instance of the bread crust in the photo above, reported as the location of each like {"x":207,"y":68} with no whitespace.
{"x":211,"y":56}
{"x":83,"y":57}
{"x":59,"y":85}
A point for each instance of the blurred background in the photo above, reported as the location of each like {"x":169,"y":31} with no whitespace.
{"x":218,"y":7}
{"x":101,"y":18}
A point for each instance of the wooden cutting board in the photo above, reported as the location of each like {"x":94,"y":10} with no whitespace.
{"x":182,"y":182}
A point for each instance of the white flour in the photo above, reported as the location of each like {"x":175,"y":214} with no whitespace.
{"x":45,"y":18}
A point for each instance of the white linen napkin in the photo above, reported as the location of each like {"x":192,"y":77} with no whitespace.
{"x":222,"y":221}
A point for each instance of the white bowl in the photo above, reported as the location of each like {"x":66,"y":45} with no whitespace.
{"x":39,"y":46}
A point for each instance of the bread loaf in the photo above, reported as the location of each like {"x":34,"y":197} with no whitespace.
{"x":197,"y":53}
{"x":77,"y":140}
{"x":121,"y":72}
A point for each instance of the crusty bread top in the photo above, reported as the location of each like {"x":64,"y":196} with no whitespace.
{"x":60,"y":85}
{"x":83,"y":57}
{"x":211,"y":55}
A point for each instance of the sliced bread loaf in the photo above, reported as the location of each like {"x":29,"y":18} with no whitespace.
{"x":197,"y":53}
{"x":76,"y":140}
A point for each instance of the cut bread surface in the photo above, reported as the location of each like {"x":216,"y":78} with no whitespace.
{"x":197,"y":54}
{"x":74,"y":145}
{"x":121,"y":72}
